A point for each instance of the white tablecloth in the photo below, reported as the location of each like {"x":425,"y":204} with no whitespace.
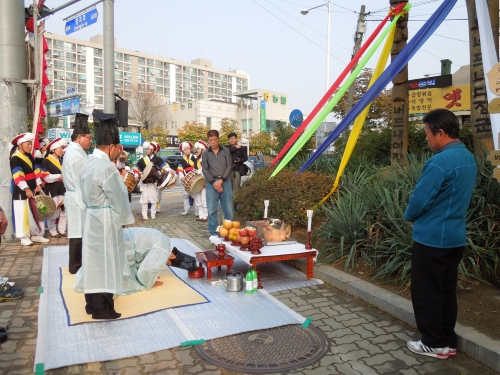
{"x":273,"y":250}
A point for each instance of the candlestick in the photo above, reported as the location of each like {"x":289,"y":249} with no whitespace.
{"x":266,"y":205}
{"x":309,"y":219}
{"x":308,"y":246}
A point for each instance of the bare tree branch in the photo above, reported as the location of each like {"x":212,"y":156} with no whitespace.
{"x":148,"y":108}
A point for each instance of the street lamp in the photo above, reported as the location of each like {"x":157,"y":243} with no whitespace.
{"x":306,"y":11}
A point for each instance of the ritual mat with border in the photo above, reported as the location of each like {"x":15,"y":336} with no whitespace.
{"x":60,"y":344}
{"x":173,"y":293}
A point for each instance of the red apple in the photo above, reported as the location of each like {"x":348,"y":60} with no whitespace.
{"x":244,"y":232}
{"x":252,"y":232}
{"x":238,"y":238}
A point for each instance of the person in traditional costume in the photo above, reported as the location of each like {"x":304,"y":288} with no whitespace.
{"x":54,"y":186}
{"x":121,"y":164}
{"x":200,"y":198}
{"x":149,"y":191}
{"x":40,"y":153}
{"x":148,"y":252}
{"x":188,"y":163}
{"x":73,"y":160}
{"x":26,"y":183}
{"x":163,"y":167}
{"x":107,"y":211}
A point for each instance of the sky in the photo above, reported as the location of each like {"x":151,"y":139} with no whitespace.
{"x":281,"y":49}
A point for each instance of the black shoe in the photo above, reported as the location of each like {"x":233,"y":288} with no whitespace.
{"x":88,"y":310}
{"x":2,"y":329}
{"x":3,"y":337}
{"x":113,"y":315}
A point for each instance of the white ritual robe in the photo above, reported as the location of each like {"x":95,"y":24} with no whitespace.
{"x":107,"y":210}
{"x":73,"y":161}
{"x":147,"y":251}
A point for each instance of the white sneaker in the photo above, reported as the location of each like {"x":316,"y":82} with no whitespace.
{"x":40,"y":239}
{"x":158,"y":210}
{"x":185,"y":213}
{"x":419,"y":348}
{"x":26,"y":242}
{"x":144,"y":218}
{"x":153,"y":217}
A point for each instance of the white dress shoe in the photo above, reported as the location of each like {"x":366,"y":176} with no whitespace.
{"x":40,"y":239}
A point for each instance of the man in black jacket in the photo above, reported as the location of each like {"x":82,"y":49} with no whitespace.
{"x":239,"y":156}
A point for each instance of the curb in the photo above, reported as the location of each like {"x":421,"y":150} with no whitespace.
{"x":475,"y":344}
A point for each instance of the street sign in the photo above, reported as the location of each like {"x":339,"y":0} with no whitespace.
{"x":70,"y":90}
{"x":494,"y":157}
{"x":81,"y":21}
{"x":296,"y":118}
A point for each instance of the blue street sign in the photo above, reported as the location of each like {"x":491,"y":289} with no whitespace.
{"x":81,"y":21}
{"x":296,"y":118}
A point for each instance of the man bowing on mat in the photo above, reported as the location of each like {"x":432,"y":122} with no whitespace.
{"x":107,"y":211}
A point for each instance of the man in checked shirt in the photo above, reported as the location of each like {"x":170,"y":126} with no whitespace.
{"x":217,"y":166}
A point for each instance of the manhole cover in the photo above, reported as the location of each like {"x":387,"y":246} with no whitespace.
{"x":272,"y":350}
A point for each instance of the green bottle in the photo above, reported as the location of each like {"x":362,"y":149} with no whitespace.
{"x":248,"y":282}
{"x":254,"y":279}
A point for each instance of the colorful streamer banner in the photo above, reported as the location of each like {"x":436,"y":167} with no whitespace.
{"x":360,"y":120}
{"x":392,"y":70}
{"x":338,"y":95}
{"x":337,"y":83}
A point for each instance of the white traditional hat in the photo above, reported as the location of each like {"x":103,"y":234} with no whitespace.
{"x":21,"y":138}
{"x":184,"y":145}
{"x":201,"y":144}
{"x":148,"y":145}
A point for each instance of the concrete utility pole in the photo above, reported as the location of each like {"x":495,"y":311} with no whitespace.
{"x":479,"y":114}
{"x":12,"y":94}
{"x":358,"y":38}
{"x":400,"y":112}
{"x":109,"y":56}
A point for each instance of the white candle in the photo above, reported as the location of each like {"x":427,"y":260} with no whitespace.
{"x":309,"y":219}
{"x":266,"y":205}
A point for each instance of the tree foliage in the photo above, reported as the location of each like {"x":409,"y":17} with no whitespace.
{"x":193,"y":131}
{"x":380,"y":110}
{"x":228,"y":125}
{"x":156,"y":134}
{"x":262,"y":143}
{"x":284,"y":132}
{"x":147,"y":108}
{"x":47,"y":123}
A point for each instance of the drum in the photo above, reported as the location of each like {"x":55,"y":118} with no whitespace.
{"x":150,"y":174}
{"x":167,"y":180}
{"x":45,"y":207}
{"x":193,"y":182}
{"x":129,"y":180}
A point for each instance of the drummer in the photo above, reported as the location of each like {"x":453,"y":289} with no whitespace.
{"x":149,"y":192}
{"x":200,"y":198}
{"x":188,"y":164}
{"x":121,"y":165}
{"x":54,"y":186}
{"x":25,"y":184}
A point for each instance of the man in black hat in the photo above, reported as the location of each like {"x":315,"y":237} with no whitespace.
{"x":74,"y":158}
{"x":107,"y":211}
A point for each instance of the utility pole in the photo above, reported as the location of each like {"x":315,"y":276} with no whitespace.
{"x":13,"y":106}
{"x":109,"y":56}
{"x":479,"y":114}
{"x":358,"y":38}
{"x":400,"y":91}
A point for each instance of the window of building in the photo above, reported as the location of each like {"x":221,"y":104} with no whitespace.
{"x":71,"y":77}
{"x":244,"y":124}
{"x":224,"y":84}
{"x":151,"y":79}
{"x":82,"y":78}
{"x":70,"y":67}
{"x":159,"y":81}
{"x":56,"y":54}
{"x":210,"y":90}
{"x":159,"y":90}
{"x":141,"y":61}
{"x":98,"y":81}
{"x":127,"y":58}
{"x":127,"y":77}
{"x":82,"y":88}
{"x":119,"y":56}
{"x":98,"y":71}
{"x":98,"y":90}
{"x":217,"y":75}
{"x":58,"y":94}
{"x":187,"y":77}
{"x":98,"y":52}
{"x":70,"y":56}
{"x":98,"y":100}
{"x":118,"y":65}
{"x":118,"y":74}
{"x":151,"y":62}
{"x":70,"y":47}
{"x":151,"y":71}
{"x":141,"y":87}
{"x":82,"y":59}
{"x":158,"y":64}
{"x":83,"y":98}
{"x":128,"y":67}
{"x":209,"y":121}
{"x":58,"y":64}
{"x":141,"y":70}
{"x":118,"y":83}
{"x":58,"y":44}
{"x":166,"y":65}
{"x":81,"y":49}
{"x":200,"y":87}
{"x":97,"y":62}
{"x":223,"y":76}
{"x":178,"y":76}
{"x":210,"y":74}
{"x":127,"y":84}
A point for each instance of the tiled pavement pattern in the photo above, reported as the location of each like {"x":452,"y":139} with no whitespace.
{"x":362,"y":340}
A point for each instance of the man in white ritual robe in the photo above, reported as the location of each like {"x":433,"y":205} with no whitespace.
{"x":107,"y":211}
{"x":73,"y":160}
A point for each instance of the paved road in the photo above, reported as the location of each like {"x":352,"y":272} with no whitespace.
{"x":362,"y":340}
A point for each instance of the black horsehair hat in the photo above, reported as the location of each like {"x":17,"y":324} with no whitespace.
{"x":81,"y":124}
{"x":106,"y":128}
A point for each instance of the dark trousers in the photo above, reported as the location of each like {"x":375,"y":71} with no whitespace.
{"x":434,"y":276}
{"x":75,"y":255}
{"x":101,"y":306}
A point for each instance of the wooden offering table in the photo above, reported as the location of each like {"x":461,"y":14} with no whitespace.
{"x":211,"y":259}
{"x":274,"y":253}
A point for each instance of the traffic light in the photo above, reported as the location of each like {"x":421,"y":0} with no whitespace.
{"x":122,"y":112}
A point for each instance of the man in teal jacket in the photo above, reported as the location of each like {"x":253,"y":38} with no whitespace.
{"x":436,"y":212}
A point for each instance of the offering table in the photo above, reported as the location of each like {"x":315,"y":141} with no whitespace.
{"x":273,"y":253}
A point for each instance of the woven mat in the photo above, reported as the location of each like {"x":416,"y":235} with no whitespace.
{"x":173,"y":293}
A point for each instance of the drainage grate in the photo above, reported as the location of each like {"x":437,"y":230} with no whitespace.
{"x":272,"y":350}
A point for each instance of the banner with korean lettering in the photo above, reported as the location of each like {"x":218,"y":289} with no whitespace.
{"x":263,"y":116}
{"x":454,"y":98}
